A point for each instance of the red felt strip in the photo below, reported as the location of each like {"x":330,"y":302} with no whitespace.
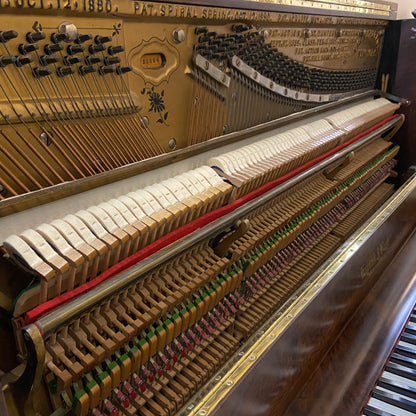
{"x":187,"y":229}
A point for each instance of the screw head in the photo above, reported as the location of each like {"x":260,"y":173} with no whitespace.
{"x":45,"y":138}
{"x":178,"y":35}
{"x":145,"y":121}
{"x":172,"y":143}
{"x":70,"y":31}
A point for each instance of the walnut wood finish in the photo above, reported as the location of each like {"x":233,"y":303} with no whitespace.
{"x":343,"y":381}
{"x":283,"y":371}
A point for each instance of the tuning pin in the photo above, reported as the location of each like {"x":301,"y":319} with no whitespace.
{"x":92,"y":60}
{"x":102,"y":39}
{"x":23,"y":60}
{"x":33,"y":37}
{"x":92,"y":49}
{"x":74,"y":49}
{"x":41,"y":72}
{"x":52,"y":48}
{"x":64,"y":71}
{"x":46,"y":60}
{"x":71,"y":60}
{"x":113,"y":50}
{"x":106,"y":69}
{"x":87,"y":69}
{"x":201,"y":30}
{"x":112,"y":60}
{"x":123,"y":69}
{"x":6,"y":60}
{"x":7,"y":35}
{"x":26,"y":48}
{"x":240,"y":28}
{"x":59,"y":37}
{"x":83,"y":38}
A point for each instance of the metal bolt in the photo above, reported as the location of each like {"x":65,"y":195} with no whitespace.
{"x":224,"y":78}
{"x":271,"y":85}
{"x":237,"y":62}
{"x":190,"y":407}
{"x":255,"y":75}
{"x":229,"y":383}
{"x":253,"y":358}
{"x":45,"y":138}
{"x":70,"y":31}
{"x":206,"y":65}
{"x":272,"y":336}
{"x":178,"y":35}
{"x":202,"y":412}
{"x":145,"y":121}
{"x":218,"y":378}
{"x":289,"y":316}
{"x":172,"y":143}
{"x":241,"y":353}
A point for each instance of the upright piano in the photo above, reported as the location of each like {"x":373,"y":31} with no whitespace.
{"x":206,"y":208}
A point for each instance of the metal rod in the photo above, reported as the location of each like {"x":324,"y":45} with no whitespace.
{"x":48,"y":323}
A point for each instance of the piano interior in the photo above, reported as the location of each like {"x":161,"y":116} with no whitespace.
{"x":205,"y":208}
